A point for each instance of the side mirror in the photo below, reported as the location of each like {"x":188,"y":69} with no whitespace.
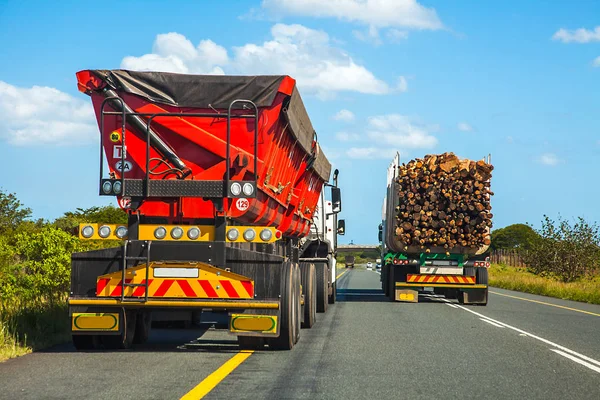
{"x":336,"y":200}
{"x":380,"y":232}
{"x":341,"y":228}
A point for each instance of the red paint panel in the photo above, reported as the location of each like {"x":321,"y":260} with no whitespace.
{"x":187,"y":289}
{"x":163,"y":288}
{"x":229,"y":289}
{"x":249,"y":288}
{"x":208,"y":289}
{"x":119,"y":288}
{"x":141,"y":290}
{"x":101,"y":284}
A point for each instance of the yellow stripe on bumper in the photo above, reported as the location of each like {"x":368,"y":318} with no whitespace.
{"x":456,"y":286}
{"x":257,"y":305}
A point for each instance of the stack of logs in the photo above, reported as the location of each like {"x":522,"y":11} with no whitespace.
{"x":444,"y":202}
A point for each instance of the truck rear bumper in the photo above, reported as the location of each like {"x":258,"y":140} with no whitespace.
{"x":443,"y":285}
{"x":189,"y":304}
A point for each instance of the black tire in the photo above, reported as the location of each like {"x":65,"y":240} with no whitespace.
{"x":384,"y":284}
{"x":251,"y":342}
{"x":85,"y":342}
{"x":391,"y":283}
{"x":285,"y":341}
{"x":439,"y":291}
{"x":322,"y":292}
{"x":460,"y":296}
{"x":142,"y":327}
{"x":309,"y":287}
{"x":333,"y":295}
{"x":123,"y":340}
{"x":481,"y":278}
{"x":297,"y":305}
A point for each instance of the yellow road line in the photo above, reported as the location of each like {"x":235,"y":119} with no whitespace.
{"x":340,"y":275}
{"x":211,"y":381}
{"x":547,"y":304}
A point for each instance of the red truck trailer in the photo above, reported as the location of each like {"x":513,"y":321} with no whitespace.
{"x":220,"y":177}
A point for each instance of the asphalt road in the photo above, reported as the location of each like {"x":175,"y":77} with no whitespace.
{"x":518,"y":347}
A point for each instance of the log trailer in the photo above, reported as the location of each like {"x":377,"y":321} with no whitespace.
{"x":221,"y":178}
{"x":456,"y":273}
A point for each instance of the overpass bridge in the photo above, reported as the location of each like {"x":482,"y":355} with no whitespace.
{"x":346,"y":248}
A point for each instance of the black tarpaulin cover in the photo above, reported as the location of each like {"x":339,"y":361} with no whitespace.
{"x":218,"y":91}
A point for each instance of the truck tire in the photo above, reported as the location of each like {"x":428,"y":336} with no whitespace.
{"x":309,"y":290}
{"x":286,"y":338}
{"x":142,"y":327}
{"x":333,"y":296}
{"x":124,"y":339}
{"x":85,"y":342}
{"x":384,"y":283}
{"x":322,"y":292}
{"x":481,"y":278}
{"x":297,"y":305}
{"x":391,"y":283}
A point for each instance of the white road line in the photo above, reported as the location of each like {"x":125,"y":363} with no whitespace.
{"x":490,"y":322}
{"x":522,"y":332}
{"x":451,"y":305}
{"x":577,"y":360}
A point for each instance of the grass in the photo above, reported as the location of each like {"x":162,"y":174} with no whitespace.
{"x":28,"y":327}
{"x":519,"y":279}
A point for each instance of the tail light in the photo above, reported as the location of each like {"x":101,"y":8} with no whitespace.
{"x":487,"y":264}
{"x":396,"y":261}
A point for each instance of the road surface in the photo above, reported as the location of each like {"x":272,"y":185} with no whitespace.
{"x":518,"y":347}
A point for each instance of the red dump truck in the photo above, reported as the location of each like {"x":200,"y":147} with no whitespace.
{"x":220,"y":177}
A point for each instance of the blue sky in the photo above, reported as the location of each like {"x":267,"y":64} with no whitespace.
{"x":519,"y":80}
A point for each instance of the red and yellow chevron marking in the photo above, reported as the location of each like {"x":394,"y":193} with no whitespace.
{"x":410,"y":278}
{"x":211,"y":283}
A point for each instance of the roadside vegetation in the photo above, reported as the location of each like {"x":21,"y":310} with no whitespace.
{"x":562,"y":259}
{"x":360,"y":257}
{"x":35,"y":259}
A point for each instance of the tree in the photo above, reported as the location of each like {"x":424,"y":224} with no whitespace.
{"x":12,"y":212}
{"x":516,"y":236}
{"x":106,"y":214}
{"x":566,"y":251}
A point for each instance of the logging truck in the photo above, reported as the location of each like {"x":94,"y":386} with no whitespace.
{"x":458,"y":270}
{"x":222,"y":179}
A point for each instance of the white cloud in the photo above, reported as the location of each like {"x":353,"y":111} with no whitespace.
{"x":173,"y":52}
{"x":43,"y":115}
{"x":305,"y":54}
{"x":464,"y":127}
{"x":402,"y":85}
{"x":549,"y":159}
{"x":510,"y":140}
{"x":396,"y":35}
{"x":344,"y":115}
{"x":347,"y":137}
{"x":596,"y":62}
{"x":580,"y":35}
{"x":401,"y":132}
{"x":369,"y":36}
{"x":370,"y":152}
{"x":378,"y":13}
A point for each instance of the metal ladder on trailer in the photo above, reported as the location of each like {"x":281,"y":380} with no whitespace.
{"x":145,"y":257}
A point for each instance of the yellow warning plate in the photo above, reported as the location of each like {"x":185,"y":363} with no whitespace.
{"x":95,"y":322}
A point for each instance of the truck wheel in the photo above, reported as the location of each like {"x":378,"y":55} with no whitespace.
{"x":384,"y":283}
{"x":297,"y":306}
{"x":124,"y":339}
{"x":251,"y":342}
{"x":309,"y":285}
{"x":285,"y":341}
{"x":322,"y":292}
{"x":85,"y":342}
{"x":333,"y":296}
{"x":391,"y":284}
{"x":481,"y":278}
{"x":142,"y":327}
